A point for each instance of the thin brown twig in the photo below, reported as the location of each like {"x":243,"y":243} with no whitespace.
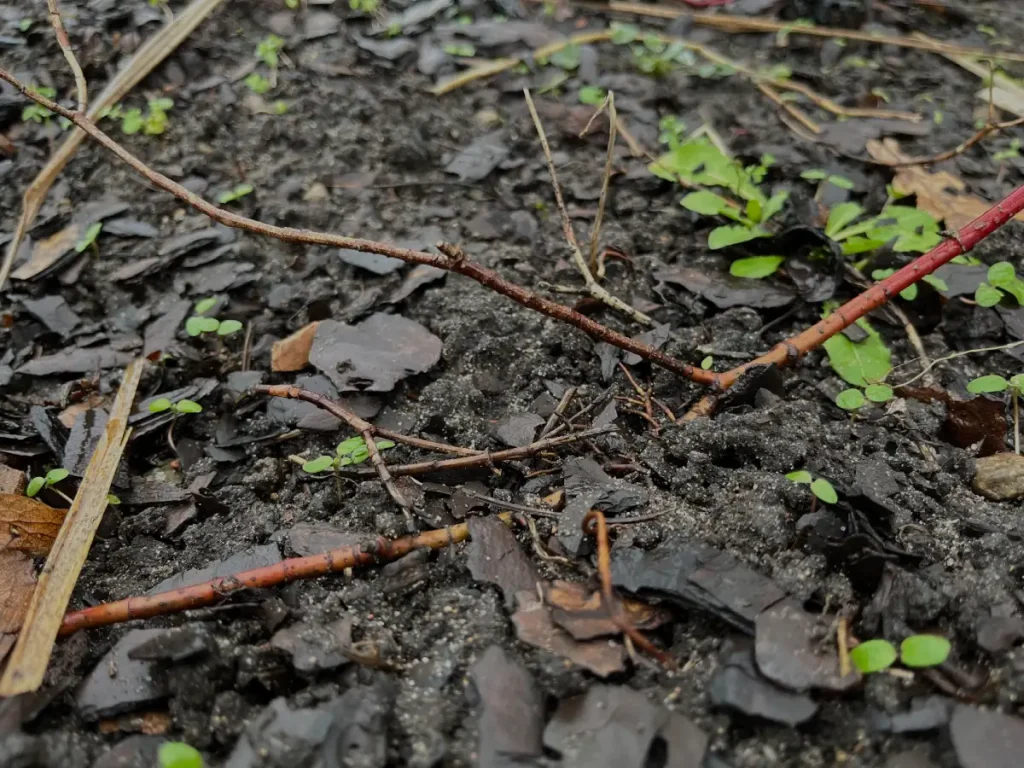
{"x":552,"y":421}
{"x":983,"y":133}
{"x":595,"y":524}
{"x":65,"y":46}
{"x":795,"y":112}
{"x":453,"y":259}
{"x":595,"y":233}
{"x":593,"y":287}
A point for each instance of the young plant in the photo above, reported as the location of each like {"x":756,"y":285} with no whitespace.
{"x":823,"y":177}
{"x":853,"y":400}
{"x":89,"y":238}
{"x":200,"y":323}
{"x":177,"y":754}
{"x":700,"y":163}
{"x":859,"y":363}
{"x":369,"y":7}
{"x":257,"y":83}
{"x":916,"y":652}
{"x":34,"y":113}
{"x":152,"y":122}
{"x":347,"y":452}
{"x":235,"y":193}
{"x":820,"y":487}
{"x":180,"y":408}
{"x":992,"y":383}
{"x":54,"y":476}
{"x":1002,"y":279}
{"x":592,"y":95}
{"x":269,"y":49}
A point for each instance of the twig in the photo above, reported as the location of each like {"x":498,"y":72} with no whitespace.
{"x":843,"y":644}
{"x":959,"y":149}
{"x":512,"y":505}
{"x":363,"y":427}
{"x":27,"y":665}
{"x":595,"y":233}
{"x":145,"y":60}
{"x":593,"y":288}
{"x":284,"y":572}
{"x":796,"y":113}
{"x":552,"y":421}
{"x":595,"y":524}
{"x":65,"y":46}
{"x":730,"y":23}
{"x":947,"y":358}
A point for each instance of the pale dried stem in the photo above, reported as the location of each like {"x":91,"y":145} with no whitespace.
{"x":595,"y":234}
{"x":65,"y":46}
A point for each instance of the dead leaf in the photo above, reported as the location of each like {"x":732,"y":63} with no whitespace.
{"x":11,"y":480}
{"x":17,"y":582}
{"x":292,"y":353}
{"x":28,"y":525}
{"x":150,"y":723}
{"x":534,"y":626}
{"x":940,"y":194}
{"x":968,"y":422}
{"x":581,"y":611}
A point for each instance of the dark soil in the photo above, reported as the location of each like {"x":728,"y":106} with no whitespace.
{"x":362,"y":149}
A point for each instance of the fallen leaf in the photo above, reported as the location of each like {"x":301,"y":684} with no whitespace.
{"x":940,"y":194}
{"x":581,"y":611}
{"x":534,"y":626}
{"x":512,"y":710}
{"x":27,"y":525}
{"x":11,"y":480}
{"x":495,"y":557}
{"x":17,"y":582}
{"x":292,"y":353}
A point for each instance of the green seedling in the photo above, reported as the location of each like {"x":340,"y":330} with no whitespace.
{"x":909,"y":229}
{"x":991,"y":384}
{"x":1002,"y":279}
{"x":592,"y":95}
{"x":237,"y":192}
{"x":916,"y":652}
{"x":292,"y":5}
{"x":25,"y":25}
{"x":269,"y":50}
{"x":177,"y":754}
{"x":858,"y":363}
{"x":461,"y":50}
{"x":820,"y":487}
{"x":89,"y":238}
{"x":698,"y":162}
{"x":369,"y":7}
{"x":257,"y":83}
{"x":34,"y":113}
{"x":180,"y":408}
{"x":707,"y":362}
{"x":54,"y":476}
{"x":201,"y":323}
{"x":152,"y":122}
{"x":854,"y":399}
{"x":1010,"y":153}
{"x":655,"y":57}
{"x":347,"y":453}
{"x":823,"y":177}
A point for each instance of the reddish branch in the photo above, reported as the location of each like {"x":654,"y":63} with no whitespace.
{"x":210,"y":592}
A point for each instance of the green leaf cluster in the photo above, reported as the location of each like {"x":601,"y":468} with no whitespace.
{"x":910,"y":230}
{"x":916,"y":652}
{"x":237,"y":192}
{"x":36,"y":484}
{"x":992,"y":383}
{"x":34,"y":113}
{"x":1002,"y":279}
{"x":819,"y":174}
{"x":200,"y":323}
{"x":181,"y":407}
{"x":351,"y":451}
{"x":820,"y":487}
{"x":854,"y":399}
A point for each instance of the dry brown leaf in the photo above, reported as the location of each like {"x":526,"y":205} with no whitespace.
{"x":17,"y":581}
{"x":581,"y":611}
{"x":11,"y":480}
{"x":940,"y":194}
{"x":292,"y":353}
{"x":28,"y":525}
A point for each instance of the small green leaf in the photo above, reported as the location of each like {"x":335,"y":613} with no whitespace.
{"x":568,"y":58}
{"x":873,"y":656}
{"x":859,"y":363}
{"x":177,"y":754}
{"x":840,"y":216}
{"x":1017,"y":382}
{"x":257,"y":83}
{"x":161,"y":104}
{"x":909,"y":293}
{"x":756,"y":267}
{"x":823,"y":489}
{"x":881,"y":274}
{"x":194,"y":326}
{"x":754,"y":210}
{"x":800,"y":476}
{"x":592,"y":95}
{"x":774,"y":205}
{"x":208,"y":324}
{"x":814,"y":174}
{"x":623,"y":34}
{"x":204,"y":306}
{"x":347,"y":447}
{"x":131,"y":123}
{"x":160,"y":405}
{"x":359,"y":455}
{"x":840,"y":181}
{"x":35,"y":485}
{"x":924,"y":651}
{"x":319,"y":464}
{"x":987,"y":296}
{"x":707,"y":362}
{"x":188,"y":406}
{"x":723,"y":237}
{"x":1001,"y":273}
{"x":878,"y":393}
{"x":383,"y":445}
{"x":936,"y":282}
{"x":227,"y":327}
{"x":89,"y":237}
{"x":237,"y":192}
{"x":113,"y":500}
{"x":462,"y":50}
{"x":704,"y":202}
{"x":850,"y":399}
{"x":54,"y":476}
{"x":987,"y":384}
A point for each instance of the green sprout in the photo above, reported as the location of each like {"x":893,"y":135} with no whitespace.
{"x":269,"y":49}
{"x":291,"y":5}
{"x":177,"y":754}
{"x":461,"y":50}
{"x":369,"y":7}
{"x":653,"y":56}
{"x":181,"y":407}
{"x":1010,"y":153}
{"x":201,"y":323}
{"x":89,"y":238}
{"x":592,"y":95}
{"x":707,"y":362}
{"x":1002,"y":278}
{"x":54,"y":476}
{"x":347,"y":452}
{"x":823,"y":177}
{"x":853,"y":399}
{"x":916,"y":652}
{"x":237,"y":192}
{"x":257,"y":83}
{"x":991,"y":384}
{"x":820,"y":487}
{"x":34,"y":113}
{"x":24,"y":25}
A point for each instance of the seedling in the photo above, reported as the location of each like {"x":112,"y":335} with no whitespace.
{"x":268,"y":50}
{"x":824,"y":177}
{"x":916,"y":652}
{"x":820,"y":487}
{"x":235,"y":193}
{"x":990,"y":384}
{"x":854,"y":399}
{"x":462,"y":50}
{"x":347,"y":452}
{"x":54,"y":476}
{"x":34,"y":113}
{"x":707,"y":362}
{"x":89,"y":238}
{"x":369,"y":7}
{"x":177,"y":754}
{"x":1011,"y":153}
{"x":180,"y":408}
{"x":657,"y":58}
{"x":152,"y":122}
{"x":699,"y":162}
{"x":201,"y":323}
{"x":257,"y":83}
{"x":1002,"y":278}
{"x":592,"y":95}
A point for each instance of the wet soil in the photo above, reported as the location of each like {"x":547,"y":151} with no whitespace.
{"x":361,"y":147}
